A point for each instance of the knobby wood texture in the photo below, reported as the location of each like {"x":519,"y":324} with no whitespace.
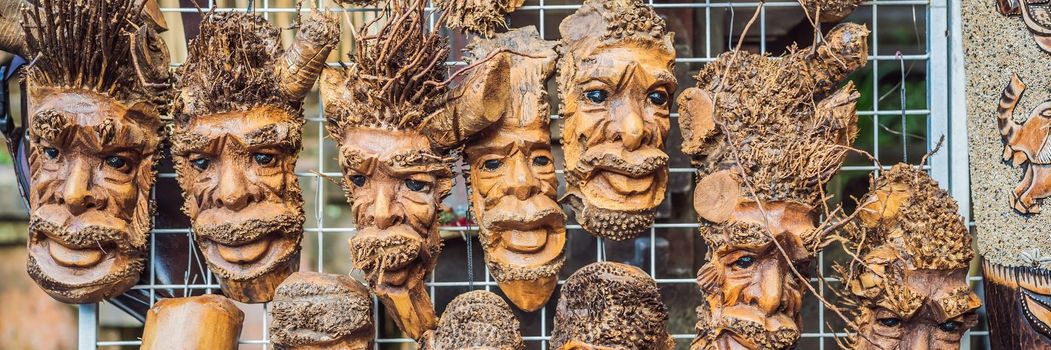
{"x":318,"y":311}
{"x":765,"y":135}
{"x":908,"y":287}
{"x":204,"y":322}
{"x":613,"y":134}
{"x":475,"y":320}
{"x":237,"y":136}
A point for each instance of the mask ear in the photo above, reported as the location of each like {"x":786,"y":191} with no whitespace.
{"x":696,"y":119}
{"x":716,"y":196}
{"x":477,"y":104}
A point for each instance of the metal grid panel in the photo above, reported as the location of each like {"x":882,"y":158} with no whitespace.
{"x":936,"y":111}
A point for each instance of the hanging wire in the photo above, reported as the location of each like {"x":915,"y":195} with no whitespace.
{"x":466,"y":234}
{"x":904,"y":132}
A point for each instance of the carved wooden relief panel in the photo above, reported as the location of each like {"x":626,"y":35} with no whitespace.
{"x":235,"y":144}
{"x":97,"y":88}
{"x":909,"y":289}
{"x":616,"y":81}
{"x":204,"y":322}
{"x":607,"y":305}
{"x":320,"y":311}
{"x":1007,"y":125}
{"x":476,"y":320}
{"x":765,"y":135}
{"x":512,"y":177}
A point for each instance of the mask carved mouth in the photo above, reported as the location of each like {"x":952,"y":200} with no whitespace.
{"x":73,"y":257}
{"x":246,"y":249}
{"x":525,"y":233}
{"x":245,"y":253}
{"x":388,"y":256}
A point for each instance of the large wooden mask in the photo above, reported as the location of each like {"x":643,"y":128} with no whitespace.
{"x":319,"y":311}
{"x":97,"y":88}
{"x":477,"y":320}
{"x":909,"y":290}
{"x":238,"y":126}
{"x":780,"y":124}
{"x":615,"y":80}
{"x":606,"y":306}
{"x":512,"y":177}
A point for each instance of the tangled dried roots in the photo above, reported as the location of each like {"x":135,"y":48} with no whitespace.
{"x":478,"y":319}
{"x":612,"y":305}
{"x":830,"y":11}
{"x":478,"y":16}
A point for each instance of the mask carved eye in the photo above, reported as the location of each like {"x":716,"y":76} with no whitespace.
{"x":201,"y":163}
{"x":541,"y":161}
{"x":116,"y":162}
{"x":263,"y":158}
{"x":50,"y":152}
{"x":492,"y":164}
{"x":358,"y":180}
{"x":949,"y":326}
{"x":658,"y":98}
{"x":744,"y":262}
{"x":596,"y":96}
{"x":889,"y":322}
{"x":417,"y":186}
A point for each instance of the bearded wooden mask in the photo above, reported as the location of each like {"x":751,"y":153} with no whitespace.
{"x":96,"y":90}
{"x":616,"y":81}
{"x":513,"y":184}
{"x":910,"y":289}
{"x":1035,"y":14}
{"x":779,"y":125}
{"x":477,"y":320}
{"x":315,"y":311}
{"x":235,"y":143}
{"x":607,"y":305}
{"x":387,"y":112}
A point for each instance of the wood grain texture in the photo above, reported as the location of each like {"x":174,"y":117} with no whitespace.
{"x":194,"y":323}
{"x":318,"y":311}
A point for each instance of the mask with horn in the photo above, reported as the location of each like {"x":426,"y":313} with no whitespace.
{"x":237,"y":134}
{"x":909,"y":289}
{"x":476,"y":320}
{"x":616,"y":81}
{"x":606,"y":306}
{"x":97,"y":86}
{"x":1036,"y":15}
{"x":319,"y":311}
{"x":389,"y":112}
{"x":765,"y":135}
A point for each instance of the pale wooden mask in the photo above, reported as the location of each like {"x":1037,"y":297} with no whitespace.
{"x":476,"y":320}
{"x":318,"y":311}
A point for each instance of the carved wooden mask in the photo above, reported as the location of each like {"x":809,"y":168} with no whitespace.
{"x":512,"y":177}
{"x":476,"y":320}
{"x":607,"y":305}
{"x":778,"y":125}
{"x":93,"y":129}
{"x":236,"y":140}
{"x":203,"y":322}
{"x":1035,"y":14}
{"x":910,"y":290}
{"x":616,"y":82}
{"x":319,"y":311}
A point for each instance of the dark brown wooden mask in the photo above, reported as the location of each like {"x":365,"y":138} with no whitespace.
{"x":616,"y":83}
{"x":318,"y":311}
{"x":1036,"y":15}
{"x":236,"y":141}
{"x":476,"y":320}
{"x":512,"y":177}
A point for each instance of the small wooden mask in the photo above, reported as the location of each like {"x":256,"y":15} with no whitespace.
{"x":204,"y":322}
{"x":910,"y":289}
{"x":1035,"y":14}
{"x":607,"y":305}
{"x":477,"y":320}
{"x":235,"y":143}
{"x":777,"y":124}
{"x":390,"y":114}
{"x":616,"y":82}
{"x":97,"y":88}
{"x":513,"y":184}
{"x":318,"y":311}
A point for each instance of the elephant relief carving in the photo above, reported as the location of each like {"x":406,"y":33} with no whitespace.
{"x":1025,"y":145}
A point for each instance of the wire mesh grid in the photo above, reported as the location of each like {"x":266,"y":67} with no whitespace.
{"x":720,"y":24}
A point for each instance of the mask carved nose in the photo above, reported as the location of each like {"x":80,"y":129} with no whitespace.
{"x":384,"y":212}
{"x":766,"y":289}
{"x":234,"y":192}
{"x":523,"y":184}
{"x":76,"y":191}
{"x":631,"y":128}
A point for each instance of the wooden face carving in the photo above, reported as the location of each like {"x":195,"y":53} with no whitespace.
{"x":476,"y":320}
{"x":1025,"y":146}
{"x":608,"y":305}
{"x":1036,"y":15}
{"x":315,"y":311}
{"x":395,"y":183}
{"x":91,"y":170}
{"x":237,"y":174}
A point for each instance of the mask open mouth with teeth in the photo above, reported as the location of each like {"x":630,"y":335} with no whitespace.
{"x":237,"y":135}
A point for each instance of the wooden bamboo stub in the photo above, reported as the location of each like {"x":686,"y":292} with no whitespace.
{"x":206,"y":322}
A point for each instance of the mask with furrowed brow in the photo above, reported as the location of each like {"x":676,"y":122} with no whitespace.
{"x":236,"y":139}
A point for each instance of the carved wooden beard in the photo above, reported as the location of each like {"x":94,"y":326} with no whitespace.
{"x":395,"y":183}
{"x":616,"y":96}
{"x":317,"y":311}
{"x":608,"y":305}
{"x":242,"y":196}
{"x":91,"y":170}
{"x":477,"y":320}
{"x":1035,"y":14}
